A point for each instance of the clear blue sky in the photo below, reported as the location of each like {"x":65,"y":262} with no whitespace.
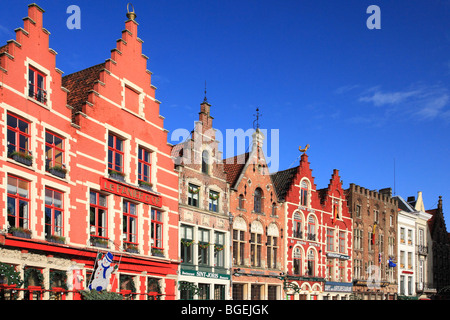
{"x":361,"y":98}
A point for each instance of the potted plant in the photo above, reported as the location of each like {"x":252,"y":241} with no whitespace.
{"x":20,"y":232}
{"x":145,"y":185}
{"x":157,"y":252}
{"x":22,"y":157}
{"x":116,"y":175}
{"x":129,"y":247}
{"x":59,"y":171}
{"x":99,"y":242}
{"x":56,"y":239}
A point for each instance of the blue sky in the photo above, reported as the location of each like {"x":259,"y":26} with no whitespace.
{"x":361,"y":98}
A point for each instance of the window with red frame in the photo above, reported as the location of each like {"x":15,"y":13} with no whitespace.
{"x":18,"y":202}
{"x":129,"y":223}
{"x":341,"y":241}
{"x":304,"y":193}
{"x":144,"y":165}
{"x":36,"y":85}
{"x":115,"y":154}
{"x":98,"y":213}
{"x":54,"y":150}
{"x":54,"y":210}
{"x":157,"y":229}
{"x":18,"y":135}
{"x":297,"y":257}
{"x":330,"y":240}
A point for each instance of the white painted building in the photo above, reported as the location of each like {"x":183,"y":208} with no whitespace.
{"x":414,"y":246}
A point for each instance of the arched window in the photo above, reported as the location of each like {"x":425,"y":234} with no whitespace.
{"x":241,"y":201}
{"x":274,"y":209}
{"x":297,"y":257}
{"x":311,"y":228}
{"x":304,"y":193}
{"x":311,"y":262}
{"x":205,"y":161}
{"x":257,"y":203}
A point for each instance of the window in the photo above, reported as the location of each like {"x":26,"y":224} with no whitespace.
{"x":358,"y":211}
{"x":129,"y":223}
{"x":341,"y":241}
{"x":144,"y":165}
{"x":213,"y":201}
{"x":376,"y":214}
{"x":304,"y":193}
{"x":358,"y":239}
{"x":255,"y":249}
{"x":311,"y":228}
{"x":330,"y":269}
{"x":193,"y":191}
{"x":241,"y":201}
{"x":219,"y":292}
{"x":336,"y":209}
{"x":203,"y":247}
{"x":115,"y":154}
{"x":98,"y":215}
{"x":402,"y":235}
{"x":219,"y":245}
{"x":272,"y":251}
{"x":36,"y":85}
{"x":187,"y":241}
{"x":330,"y":240}
{"x":274,"y":209}
{"x":297,"y":257}
{"x":18,"y":202}
{"x":203,"y":293}
{"x":53,"y":212}
{"x":410,"y":236}
{"x":297,"y":227}
{"x":257,"y":203}
{"x":205,"y":162}
{"x":238,"y":247}
{"x":342,"y":270}
{"x":311,"y":263}
{"x":54,"y":151}
{"x":157,"y":229}
{"x":18,"y":135}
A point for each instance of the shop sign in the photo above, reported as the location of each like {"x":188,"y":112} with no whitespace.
{"x":130,"y":192}
{"x":204,"y":274}
{"x":338,"y":286}
{"x":338,"y":255}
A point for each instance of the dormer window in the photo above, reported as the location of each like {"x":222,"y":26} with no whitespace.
{"x":36,"y":85}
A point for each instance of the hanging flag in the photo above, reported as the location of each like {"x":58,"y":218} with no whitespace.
{"x":391,"y":263}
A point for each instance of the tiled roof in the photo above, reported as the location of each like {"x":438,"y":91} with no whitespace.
{"x":282,"y":181}
{"x":80,"y":83}
{"x":233,"y":167}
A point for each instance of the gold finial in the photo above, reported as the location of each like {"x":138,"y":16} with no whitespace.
{"x":130,"y":15}
{"x":303,"y":150}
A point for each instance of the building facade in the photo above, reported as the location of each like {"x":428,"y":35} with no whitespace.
{"x":318,"y":230}
{"x":204,"y":272}
{"x":257,"y":227}
{"x":440,"y":252}
{"x":86,"y":170}
{"x":375,"y":247}
{"x":414,"y":261}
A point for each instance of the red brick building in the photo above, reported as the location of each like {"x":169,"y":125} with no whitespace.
{"x":257,"y":230}
{"x":85,"y":169}
{"x":204,"y":272}
{"x":318,"y":231}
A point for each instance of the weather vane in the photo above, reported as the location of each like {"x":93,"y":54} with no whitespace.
{"x":205,"y":100}
{"x":257,"y":115}
{"x":303,"y":149}
{"x":130,"y":15}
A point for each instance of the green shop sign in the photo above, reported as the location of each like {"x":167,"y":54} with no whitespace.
{"x":204,"y":274}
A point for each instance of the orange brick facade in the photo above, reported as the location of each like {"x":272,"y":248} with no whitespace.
{"x":86,"y":169}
